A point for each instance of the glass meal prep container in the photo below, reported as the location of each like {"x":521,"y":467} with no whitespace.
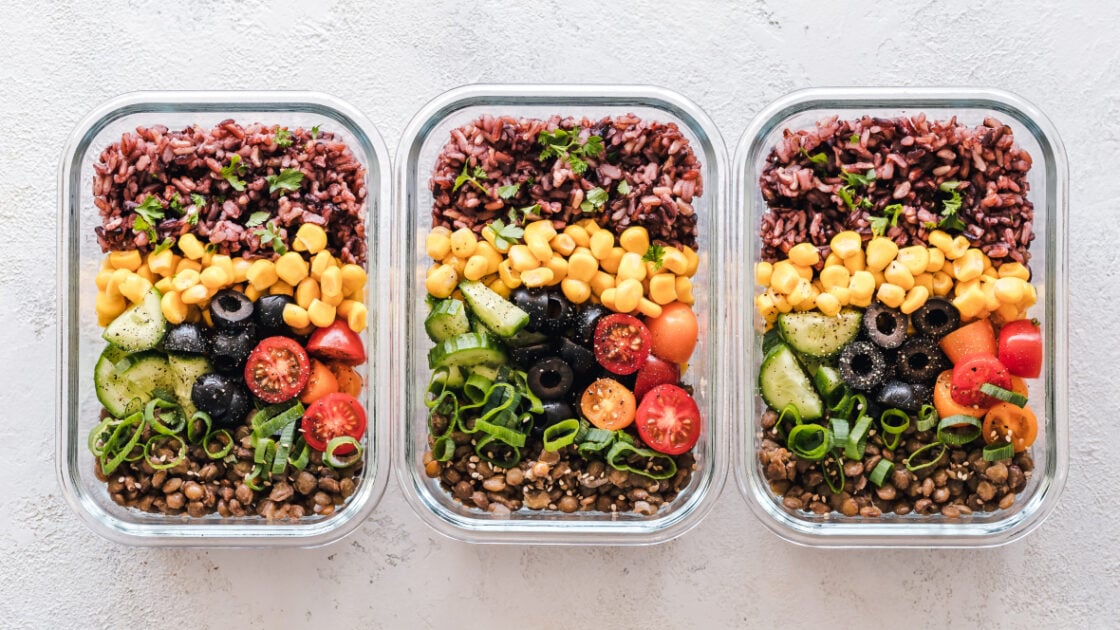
{"x":708,"y":372}
{"x":80,"y":340}
{"x":1048,"y":180}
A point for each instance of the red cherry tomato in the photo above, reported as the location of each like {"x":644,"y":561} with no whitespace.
{"x":655,"y":372}
{"x":333,"y":415}
{"x":622,"y":343}
{"x":1020,"y":348}
{"x":974,"y":371}
{"x":668,"y":420}
{"x":674,"y":332}
{"x":277,"y":369}
{"x":337,"y":343}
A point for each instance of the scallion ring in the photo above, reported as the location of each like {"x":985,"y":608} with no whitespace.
{"x":193,"y":436}
{"x":99,"y":436}
{"x":560,"y":434}
{"x":443,"y":448}
{"x":859,"y":405}
{"x":810,"y":442}
{"x":1006,"y":395}
{"x":253,"y":479}
{"x":958,"y":430}
{"x":789,"y":411}
{"x":158,"y":440}
{"x":881,"y":471}
{"x":998,"y":450}
{"x":913,"y":463}
{"x":275,"y":423}
{"x":843,"y":407}
{"x":264,"y":451}
{"x":227,"y":444}
{"x":857,"y":439}
{"x":283,"y":447}
{"x":300,"y":462}
{"x":476,"y":387}
{"x":835,"y":482}
{"x":490,"y":450}
{"x":840,"y":430}
{"x":112,"y":456}
{"x":893,"y":422}
{"x":927,"y":417}
{"x":332,"y":459}
{"x":156,"y":419}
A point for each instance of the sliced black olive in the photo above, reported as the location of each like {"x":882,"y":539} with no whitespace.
{"x":535,"y":303}
{"x":231,"y":310}
{"x":898,"y":395}
{"x":920,"y":360}
{"x":240,"y":402}
{"x":885,"y":326}
{"x":213,"y":393}
{"x":936,"y":318}
{"x":525,"y":356}
{"x":554,"y":411}
{"x":862,"y":365}
{"x":269,"y":313}
{"x":550,"y":378}
{"x":230,"y":349}
{"x":923,"y":392}
{"x":581,"y":359}
{"x":185,"y":338}
{"x":586,"y":321}
{"x":560,"y":315}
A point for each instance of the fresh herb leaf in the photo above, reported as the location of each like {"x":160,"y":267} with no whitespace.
{"x":865,"y":203}
{"x":283,"y":137}
{"x":878,"y":225}
{"x":176,"y":205}
{"x":192,"y":218}
{"x":288,"y":179}
{"x":257,"y":218}
{"x":524,"y":213}
{"x":270,"y":235}
{"x":505,"y":192}
{"x":623,"y":187}
{"x":854,"y":139}
{"x":315,"y":132}
{"x":930,"y":225}
{"x":594,"y":200}
{"x":845,"y":193}
{"x":566,"y":145}
{"x":508,"y":234}
{"x":820,"y":159}
{"x":656,"y":255}
{"x":472,"y":178}
{"x":889,"y":218}
{"x":232,"y":172}
{"x":198,"y":200}
{"x":951,"y":206}
{"x":855,"y":179}
{"x":164,"y":246}
{"x":151,"y":209}
{"x":142,"y":225}
{"x":211,"y":248}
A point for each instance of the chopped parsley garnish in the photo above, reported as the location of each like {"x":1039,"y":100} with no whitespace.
{"x":890,"y":217}
{"x":176,"y":205}
{"x":165,"y":245}
{"x":198,"y":200}
{"x":151,"y":210}
{"x":283,"y":137}
{"x":855,"y":179}
{"x":847,"y":192}
{"x":656,"y":255}
{"x":505,"y":192}
{"x":854,"y":139}
{"x":623,"y":187}
{"x":950,"y":207}
{"x":820,"y":159}
{"x":233,"y":171}
{"x":257,"y":218}
{"x":288,"y":179}
{"x":507,"y":234}
{"x":471,"y":177}
{"x":142,"y":225}
{"x":565,"y":145}
{"x":524,"y":213}
{"x":594,"y":200}
{"x":270,"y":235}
{"x":315,"y":132}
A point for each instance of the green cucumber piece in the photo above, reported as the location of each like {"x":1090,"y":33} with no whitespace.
{"x":124,"y":384}
{"x":782,"y":381}
{"x":447,"y":319}
{"x":185,"y":370}
{"x":466,"y":350}
{"x":498,"y":314}
{"x":140,"y":327}
{"x":818,"y":335}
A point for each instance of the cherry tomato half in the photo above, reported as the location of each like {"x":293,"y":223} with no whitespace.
{"x":655,"y":372}
{"x":349,"y":381}
{"x":321,"y":383}
{"x":944,"y":403}
{"x":975,"y":338}
{"x":277,"y":369}
{"x":971,"y":373}
{"x":669,"y":420}
{"x":622,"y":343}
{"x":674,"y":332}
{"x":1020,"y":348}
{"x":608,"y":404}
{"x":337,"y":343}
{"x":1006,"y":422}
{"x":333,"y":415}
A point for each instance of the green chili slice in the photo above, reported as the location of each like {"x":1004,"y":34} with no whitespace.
{"x":488,"y":445}
{"x":649,"y":463}
{"x":443,"y":448}
{"x":158,"y":439}
{"x":560,"y":434}
{"x":810,"y":442}
{"x":111,"y":460}
{"x":1006,"y":395}
{"x":913,"y":462}
{"x":334,"y":460}
{"x":881,"y":471}
{"x":857,"y":439}
{"x":155,"y":420}
{"x":998,"y":450}
{"x":227,"y":444}
{"x":927,"y":417}
{"x":835,"y":481}
{"x":958,"y":430}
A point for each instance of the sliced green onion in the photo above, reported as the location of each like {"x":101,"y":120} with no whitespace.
{"x":998,"y":450}
{"x":840,"y":430}
{"x":913,"y":463}
{"x":594,"y":442}
{"x":254,"y":477}
{"x":192,"y":435}
{"x":443,"y":449}
{"x":927,"y":417}
{"x":156,"y":440}
{"x":893,"y":422}
{"x":111,"y":460}
{"x":502,"y":433}
{"x":99,"y":436}
{"x":274,"y":423}
{"x":332,"y":459}
{"x":881,"y":471}
{"x":560,"y":434}
{"x":624,"y":455}
{"x":300,"y":462}
{"x":949,"y":430}
{"x":789,"y":411}
{"x":264,"y":451}
{"x":810,"y":442}
{"x":283,"y":447}
{"x":842,"y":408}
{"x":835,"y":482}
{"x":1006,"y":395}
{"x":156,"y":419}
{"x":476,"y":387}
{"x":857,"y":439}
{"x":859,"y":404}
{"x":489,"y":449}
{"x":227,"y":444}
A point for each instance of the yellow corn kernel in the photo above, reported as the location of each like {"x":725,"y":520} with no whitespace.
{"x":958,"y":248}
{"x":971,"y":302}
{"x":582,"y":266}
{"x":562,"y":244}
{"x":191,"y":247}
{"x":843,"y":294}
{"x":648,"y":308}
{"x":102,"y":279}
{"x":989,"y":272}
{"x":828,"y":304}
{"x":250,"y":292}
{"x":613,"y":259}
{"x":442,"y":281}
{"x":559,"y":266}
{"x":897,"y":273}
{"x":540,"y":229}
{"x":693,"y":260}
{"x":862,"y":285}
{"x":577,"y":291}
{"x":878,"y":275}
{"x":207,"y":256}
{"x":291,"y":268}
{"x":915,"y":298}
{"x":144,"y":272}
{"x":631,"y":266}
{"x":1007,"y":313}
{"x":310,"y":238}
{"x":673,"y":260}
{"x":135,"y":287}
{"x":936,"y":259}
{"x":306,"y":291}
{"x":845,"y":244}
{"x":493,"y":258}
{"x":602,"y":242}
{"x":835,"y":276}
{"x":489,"y":236}
{"x":607,"y":298}
{"x":319,"y":263}
{"x":538,"y":277}
{"x":856,"y":262}
{"x":296,"y":316}
{"x":590,"y":225}
{"x":110,"y":306}
{"x":784,"y":277}
{"x":438,"y":244}
{"x":880,"y":252}
{"x":600,"y":282}
{"x":522,"y":259}
{"x":961,"y":287}
{"x":968,"y":266}
{"x":628,"y":294}
{"x":353,"y":279}
{"x":186,"y":263}
{"x":476,"y":267}
{"x":198,"y":294}
{"x":509,"y":276}
{"x":129,"y":260}
{"x":891,"y":294}
{"x":1010,"y":290}
{"x":539,"y":247}
{"x":941,"y":240}
{"x":579,"y":235}
{"x":762,"y":272}
{"x":915,"y":258}
{"x":358,"y":317}
{"x":463,"y":243}
{"x":342,"y":309}
{"x":116,"y":279}
{"x":173,"y":308}
{"x":684,"y":290}
{"x":765,"y":305}
{"x":833,"y":260}
{"x":262,"y":274}
{"x":499,"y":287}
{"x":634,"y":239}
{"x":214,"y":278}
{"x":184,"y":280}
{"x":1014,"y":270}
{"x":663,"y":288}
{"x":924,"y":280}
{"x":330,"y":286}
{"x":801,"y":292}
{"x":241,"y":268}
{"x":320,"y":313}
{"x":781,"y":303}
{"x":223,"y":262}
{"x":163,"y":262}
{"x":194,"y":314}
{"x":164,"y":284}
{"x":988,"y":286}
{"x":1030,"y":298}
{"x":942,"y":283}
{"x":804,"y":254}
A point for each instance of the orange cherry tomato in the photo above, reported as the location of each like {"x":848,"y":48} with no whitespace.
{"x":943,"y":399}
{"x":1006,"y":422}
{"x":975,"y":338}
{"x":321,"y":383}
{"x":349,"y":381}
{"x":674,"y":332}
{"x":608,"y":404}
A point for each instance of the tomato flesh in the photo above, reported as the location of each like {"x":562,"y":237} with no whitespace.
{"x":1020,"y":348}
{"x":1006,"y":422}
{"x":321,"y":382}
{"x":669,"y":420}
{"x":622,"y":343}
{"x":608,"y":404}
{"x":674,"y":332}
{"x":971,"y":373}
{"x":975,"y":338}
{"x":337,"y":343}
{"x":277,"y":369}
{"x":655,"y":372}
{"x":333,"y":415}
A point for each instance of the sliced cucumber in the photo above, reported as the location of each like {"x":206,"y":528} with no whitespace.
{"x":497,"y":313}
{"x":185,"y":370}
{"x":140,"y":327}
{"x":124,"y":384}
{"x":818,"y":335}
{"x":447,"y":319}
{"x":782,"y":381}
{"x":466,"y":350}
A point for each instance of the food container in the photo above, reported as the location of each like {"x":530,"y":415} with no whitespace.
{"x":80,"y":340}
{"x":425,"y":136}
{"x":1048,"y":180}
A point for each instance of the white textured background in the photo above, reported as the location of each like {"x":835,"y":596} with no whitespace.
{"x":59,"y":59}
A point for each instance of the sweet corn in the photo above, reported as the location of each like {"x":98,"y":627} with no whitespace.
{"x":845,"y":244}
{"x":590,"y":225}
{"x":989,"y":272}
{"x":915,"y":258}
{"x":320,"y":263}
{"x":522,"y":259}
{"x":804,"y":254}
{"x":214,"y":278}
{"x":802,"y":292}
{"x":942,"y":283}
{"x":320,"y":313}
{"x":613,"y":260}
{"x":129,"y":260}
{"x":784,"y":277}
{"x":663,"y":288}
{"x":1014,"y":270}
{"x":970,"y":303}
{"x":936,"y":259}
{"x":843,"y":294}
{"x":191,"y":247}
{"x":559,"y":267}
{"x":961,"y":287}
{"x":878,"y":276}
{"x":353,"y":279}
{"x":582,"y":266}
{"x":330,"y":286}
{"x":602,"y":242}
{"x":357,"y":318}
{"x":562,"y":244}
{"x":198,"y":294}
{"x":438,"y":243}
{"x":941,"y":240}
{"x":897,"y":273}
{"x":463,"y":243}
{"x":600,"y":282}
{"x":1010,"y":289}
{"x":181,"y":281}
{"x":924,"y":280}
{"x":442,"y":282}
{"x":499,"y":287}
{"x":250,"y":292}
{"x":296,"y":316}
{"x":262,"y":274}
{"x":109,"y":306}
{"x":968,"y":266}
{"x":579,"y":235}
{"x":577,"y":291}
{"x":164,"y":284}
{"x":828,"y":304}
{"x":684,"y":290}
{"x":780,"y":303}
{"x":832,"y":260}
{"x":310,"y":238}
{"x":1031,"y":296}
{"x":673,"y":260}
{"x":458,"y":264}
{"x":162,"y":263}
{"x":915,"y":298}
{"x":607,"y":298}
{"x":762,"y":272}
{"x":627,"y":295}
{"x":307,"y":291}
{"x":648,"y":308}
{"x":173,"y":308}
{"x":631,"y":266}
{"x":835,"y":276}
{"x":291,"y":268}
{"x":766,"y":307}
{"x":223,"y":262}
{"x":693,"y":260}
{"x":241,"y":269}
{"x":135,"y":287}
{"x":862,"y":285}
{"x":1008,"y":313}
{"x":538,"y":277}
{"x":959,"y":247}
{"x":891,"y":294}
{"x":477,"y":266}
{"x":102,"y":279}
{"x":856,"y":262}
{"x":634,"y":239}
{"x":539,"y":247}
{"x":509,"y":276}
{"x":880,"y":252}
{"x":186,"y":263}
{"x":342,"y":309}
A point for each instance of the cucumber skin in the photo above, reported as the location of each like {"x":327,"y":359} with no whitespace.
{"x":185,"y":370}
{"x":122,"y":394}
{"x":810,"y":405}
{"x":844,"y":330}
{"x":131,"y":335}
{"x":498,"y":314}
{"x":466,"y":350}
{"x":447,"y":319}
